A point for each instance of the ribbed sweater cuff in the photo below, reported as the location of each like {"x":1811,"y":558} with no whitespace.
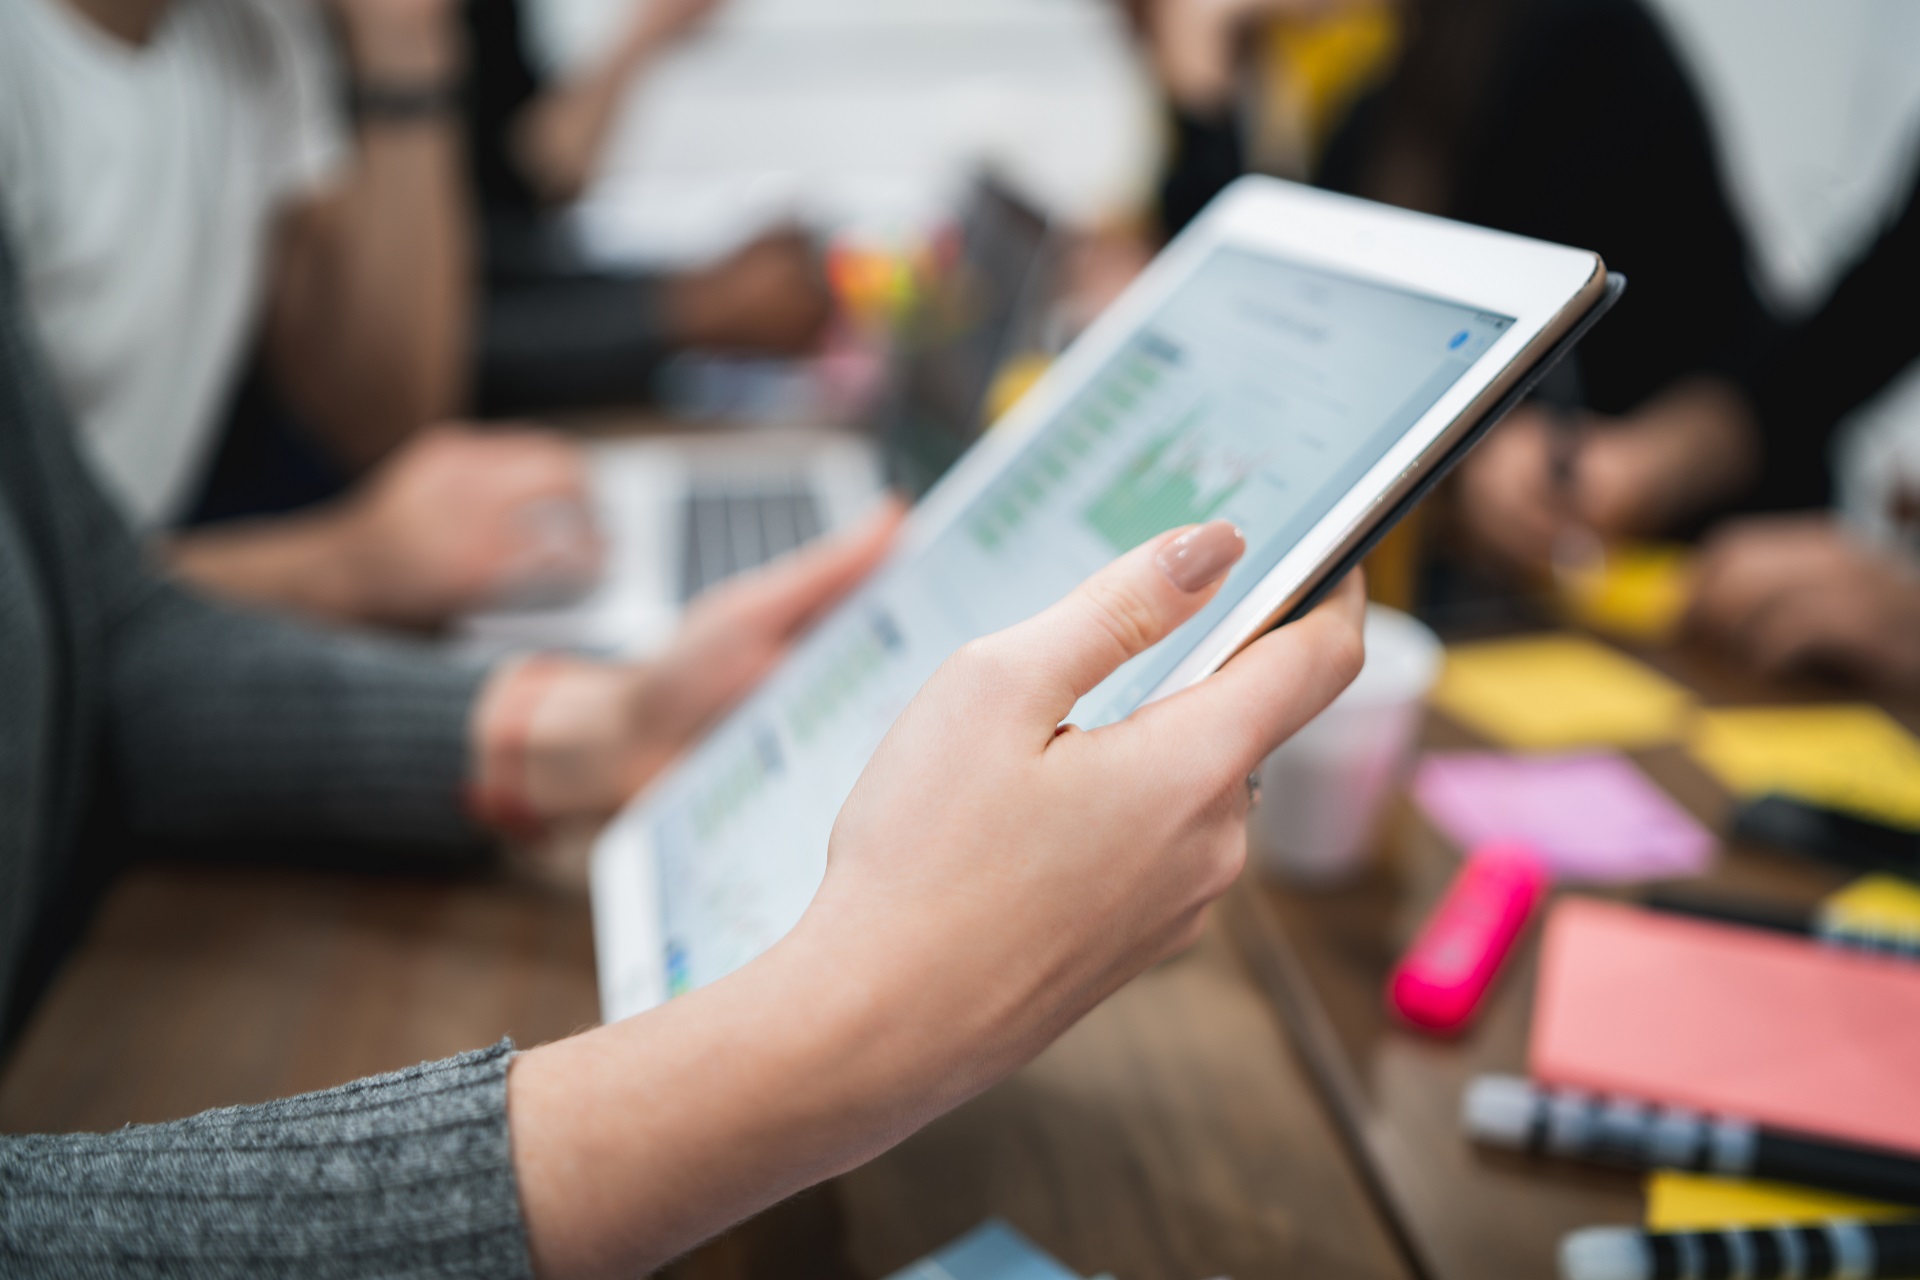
{"x":402,"y":1175}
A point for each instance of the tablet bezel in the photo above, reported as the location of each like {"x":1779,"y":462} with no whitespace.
{"x":1546,"y":288}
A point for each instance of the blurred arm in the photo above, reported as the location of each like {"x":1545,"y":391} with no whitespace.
{"x":371,"y":290}
{"x":558,"y":140}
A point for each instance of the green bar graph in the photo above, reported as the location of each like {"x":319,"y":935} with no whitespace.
{"x":1068,"y":449}
{"x":1159,"y":489}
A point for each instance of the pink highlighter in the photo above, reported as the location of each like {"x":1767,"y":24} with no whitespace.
{"x":1441,"y":980}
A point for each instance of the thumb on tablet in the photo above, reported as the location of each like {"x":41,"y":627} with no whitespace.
{"x":1124,"y":609}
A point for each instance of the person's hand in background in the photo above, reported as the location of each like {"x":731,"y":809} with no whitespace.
{"x":1507,"y":503}
{"x":559,"y":739}
{"x":461,"y":520}
{"x":990,"y":879}
{"x":770,"y":295}
{"x":457,"y":521}
{"x":558,"y":139}
{"x":1803,"y":592}
{"x":1640,"y":476}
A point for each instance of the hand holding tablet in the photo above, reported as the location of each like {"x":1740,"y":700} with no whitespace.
{"x":1301,"y":364}
{"x":1002,"y":875}
{"x":990,"y":880}
{"x":978,"y":798}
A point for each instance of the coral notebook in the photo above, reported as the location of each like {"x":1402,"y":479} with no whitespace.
{"x":1764,"y":1026}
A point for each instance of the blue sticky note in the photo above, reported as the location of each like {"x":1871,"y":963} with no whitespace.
{"x":991,"y":1251}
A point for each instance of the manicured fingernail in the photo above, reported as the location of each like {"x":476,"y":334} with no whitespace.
{"x":1201,"y":557}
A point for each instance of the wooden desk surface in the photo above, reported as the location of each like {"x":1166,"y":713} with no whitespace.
{"x":1171,"y":1135}
{"x":1323,"y":958}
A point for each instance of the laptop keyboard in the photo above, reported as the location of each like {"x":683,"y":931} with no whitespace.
{"x":733,"y":525}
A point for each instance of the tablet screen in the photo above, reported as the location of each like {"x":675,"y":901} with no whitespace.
{"x":1260,"y":392}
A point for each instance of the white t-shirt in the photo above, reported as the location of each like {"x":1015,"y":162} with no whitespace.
{"x":138,"y":186}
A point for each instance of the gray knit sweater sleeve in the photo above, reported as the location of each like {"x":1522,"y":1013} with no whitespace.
{"x":226,"y":723}
{"x":394,"y":1176}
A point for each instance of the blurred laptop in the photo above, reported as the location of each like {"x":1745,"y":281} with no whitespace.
{"x":680,"y":513}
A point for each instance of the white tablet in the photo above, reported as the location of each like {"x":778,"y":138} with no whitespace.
{"x":1297,"y":362}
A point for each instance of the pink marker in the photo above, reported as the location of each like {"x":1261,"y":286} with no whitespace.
{"x":1441,"y":980}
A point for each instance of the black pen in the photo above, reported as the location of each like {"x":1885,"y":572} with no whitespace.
{"x":1838,"y":1249}
{"x":1507,"y":1111}
{"x":1784,"y":822}
{"x":1819,"y":924}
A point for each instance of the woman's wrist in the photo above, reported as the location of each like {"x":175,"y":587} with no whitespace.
{"x":553,"y":736}
{"x":635,"y":1141}
{"x":929,"y":1038}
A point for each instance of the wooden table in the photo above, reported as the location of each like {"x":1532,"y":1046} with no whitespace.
{"x":1463,"y":1213}
{"x":1172,"y":1134}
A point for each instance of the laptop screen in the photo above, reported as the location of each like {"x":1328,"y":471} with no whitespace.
{"x":985,"y":308}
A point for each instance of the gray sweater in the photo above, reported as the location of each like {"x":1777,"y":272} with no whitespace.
{"x":125,"y":698}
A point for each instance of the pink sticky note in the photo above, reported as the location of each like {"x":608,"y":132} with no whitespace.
{"x":1593,"y":817}
{"x":1770,"y":1028}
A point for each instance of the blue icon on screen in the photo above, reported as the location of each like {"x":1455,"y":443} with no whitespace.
{"x":1458,"y":338}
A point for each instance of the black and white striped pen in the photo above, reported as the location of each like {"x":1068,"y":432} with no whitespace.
{"x":1510,"y":1112}
{"x":1840,"y":1249}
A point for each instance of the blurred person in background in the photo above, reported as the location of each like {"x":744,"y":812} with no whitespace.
{"x":1796,"y":588}
{"x":983,"y":838}
{"x":556,"y":331}
{"x":1574,"y":120}
{"x":1569,"y":120}
{"x":176,"y":177}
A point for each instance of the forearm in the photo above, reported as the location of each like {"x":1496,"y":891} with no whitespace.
{"x":372,"y":310}
{"x":558,"y":140}
{"x":308,"y":564}
{"x":405,"y":283}
{"x":636,"y":1141}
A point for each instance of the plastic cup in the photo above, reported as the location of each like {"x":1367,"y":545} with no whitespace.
{"x":1322,"y":792}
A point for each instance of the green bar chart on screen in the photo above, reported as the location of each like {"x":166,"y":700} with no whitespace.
{"x":1168,"y":484}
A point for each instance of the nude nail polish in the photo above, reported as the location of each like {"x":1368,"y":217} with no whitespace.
{"x":1200,"y":557}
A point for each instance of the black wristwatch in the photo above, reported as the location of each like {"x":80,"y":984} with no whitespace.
{"x":399,"y":102}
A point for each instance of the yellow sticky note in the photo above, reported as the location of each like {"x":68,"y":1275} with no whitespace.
{"x":1693,"y":1201}
{"x":1843,"y":755}
{"x":1545,"y":693}
{"x":1636,"y":592}
{"x":1875,"y":904}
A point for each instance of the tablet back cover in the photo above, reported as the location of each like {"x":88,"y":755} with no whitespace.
{"x":1724,"y":1019}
